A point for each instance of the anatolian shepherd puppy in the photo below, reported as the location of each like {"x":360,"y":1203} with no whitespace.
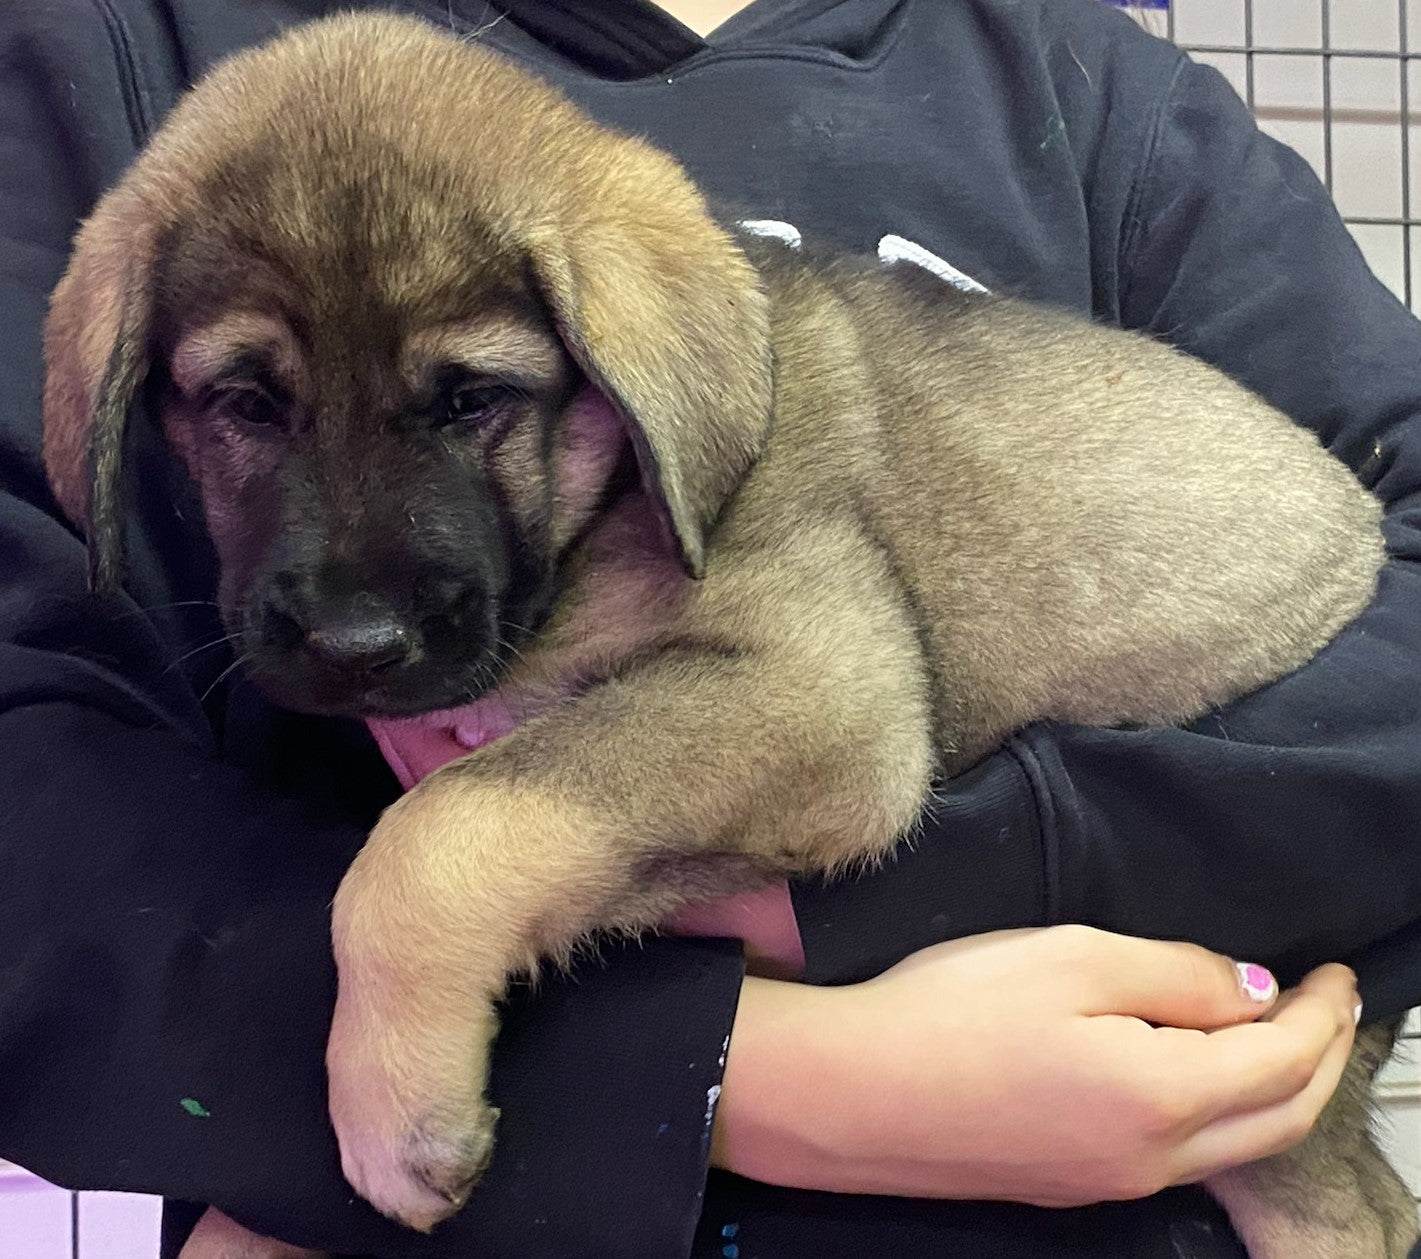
{"x":740,"y":550}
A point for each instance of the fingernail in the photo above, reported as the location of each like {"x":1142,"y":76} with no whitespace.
{"x":1256,"y":981}
{"x":1356,"y":1014}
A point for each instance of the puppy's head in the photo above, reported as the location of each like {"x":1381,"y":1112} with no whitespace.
{"x":408,"y":317}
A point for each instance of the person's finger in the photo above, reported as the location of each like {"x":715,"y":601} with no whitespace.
{"x":1331,"y":981}
{"x":1164,"y":981}
{"x":1248,"y":1066}
{"x":1242,"y":1137}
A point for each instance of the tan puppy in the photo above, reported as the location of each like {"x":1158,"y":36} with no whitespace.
{"x":738,"y":551}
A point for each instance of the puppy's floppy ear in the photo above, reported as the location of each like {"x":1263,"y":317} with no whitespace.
{"x":96,"y":357}
{"x":668,"y":319}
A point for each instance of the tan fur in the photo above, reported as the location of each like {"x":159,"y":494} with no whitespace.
{"x":94,"y":304}
{"x":940,"y":519}
{"x":489,"y":346}
{"x":205,"y":352}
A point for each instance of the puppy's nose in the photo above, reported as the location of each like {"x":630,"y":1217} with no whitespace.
{"x":360,"y":645}
{"x":357,"y":635}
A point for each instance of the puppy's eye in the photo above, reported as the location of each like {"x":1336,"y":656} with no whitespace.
{"x":249,"y":404}
{"x":471,"y":403}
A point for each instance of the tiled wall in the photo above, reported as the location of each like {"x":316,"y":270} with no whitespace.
{"x":38,"y":1221}
{"x":1340,"y":81}
{"x":1344,"y":112}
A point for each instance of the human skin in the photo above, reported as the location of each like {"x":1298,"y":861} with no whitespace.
{"x":1057,"y":1066}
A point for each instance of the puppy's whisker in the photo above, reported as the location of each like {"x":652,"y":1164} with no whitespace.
{"x":222,"y":677}
{"x":179,"y":603}
{"x":507,"y":631}
{"x":165,"y":607}
{"x":197,"y":651}
{"x":510,"y":648}
{"x":473,"y":36}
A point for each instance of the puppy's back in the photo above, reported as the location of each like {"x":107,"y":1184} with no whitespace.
{"x":1094,"y":527}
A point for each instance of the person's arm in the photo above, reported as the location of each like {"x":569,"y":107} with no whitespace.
{"x":1058,"y":1066}
{"x":165,"y":972}
{"x":1283,"y":827}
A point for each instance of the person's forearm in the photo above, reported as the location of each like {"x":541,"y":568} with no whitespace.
{"x":1027,"y":1066}
{"x":778,"y":1066}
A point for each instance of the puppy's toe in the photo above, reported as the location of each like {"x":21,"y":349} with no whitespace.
{"x":450,"y":1166}
{"x":407,"y":1064}
{"x":425,"y":1175}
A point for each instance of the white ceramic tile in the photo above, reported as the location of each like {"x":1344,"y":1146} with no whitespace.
{"x":1288,"y":82}
{"x":1413,"y":128}
{"x":1398,"y":1131}
{"x":1367,"y":84}
{"x":119,"y":1226}
{"x":1365,"y":24}
{"x":1366,"y":136}
{"x":1230,"y":64}
{"x":1288,"y":23}
{"x":1382,"y":248}
{"x":1299,"y":133}
{"x":1208,"y":21}
{"x":1398,"y":1119}
{"x":1403,"y":1073}
{"x":34,"y":1219}
{"x":1288,"y":106}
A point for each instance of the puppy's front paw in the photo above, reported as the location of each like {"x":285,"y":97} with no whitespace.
{"x":433,"y":916}
{"x":407,"y":1058}
{"x":414,"y":1162}
{"x":406,"y":1083}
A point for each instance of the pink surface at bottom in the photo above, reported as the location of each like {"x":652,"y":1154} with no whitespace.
{"x":118,"y":1226}
{"x":36,"y":1221}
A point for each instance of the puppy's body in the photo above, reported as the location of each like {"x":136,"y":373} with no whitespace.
{"x":970,"y":514}
{"x":513,"y":430}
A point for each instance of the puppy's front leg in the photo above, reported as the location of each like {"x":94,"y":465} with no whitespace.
{"x":588,"y":817}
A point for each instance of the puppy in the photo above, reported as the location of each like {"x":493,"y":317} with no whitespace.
{"x":733,"y":550}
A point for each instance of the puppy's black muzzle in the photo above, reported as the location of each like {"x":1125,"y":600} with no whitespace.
{"x":320,"y":647}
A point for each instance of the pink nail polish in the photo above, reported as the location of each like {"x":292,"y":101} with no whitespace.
{"x":1256,"y":981}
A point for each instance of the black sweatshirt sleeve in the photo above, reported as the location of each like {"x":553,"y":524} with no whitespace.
{"x":1283,"y":828}
{"x":165,"y":973}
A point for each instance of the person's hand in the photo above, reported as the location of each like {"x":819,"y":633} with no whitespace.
{"x":1058,"y":1066}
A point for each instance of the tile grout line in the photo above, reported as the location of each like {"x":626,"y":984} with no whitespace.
{"x":1404,"y":44}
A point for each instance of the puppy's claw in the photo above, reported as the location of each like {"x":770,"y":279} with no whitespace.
{"x":452,"y":1169}
{"x":433,"y":1177}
